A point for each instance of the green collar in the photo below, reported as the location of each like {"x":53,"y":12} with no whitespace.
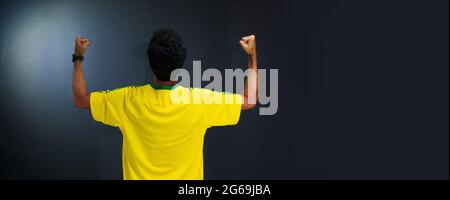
{"x":162,"y":87}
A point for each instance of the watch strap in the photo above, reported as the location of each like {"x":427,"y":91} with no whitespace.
{"x":77,"y":58}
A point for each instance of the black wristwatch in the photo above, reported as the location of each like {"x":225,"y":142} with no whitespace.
{"x":77,"y":58}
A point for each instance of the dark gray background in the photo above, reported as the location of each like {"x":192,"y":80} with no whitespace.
{"x":363,"y":89}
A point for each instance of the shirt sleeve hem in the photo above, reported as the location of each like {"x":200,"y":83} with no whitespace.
{"x":94,"y":102}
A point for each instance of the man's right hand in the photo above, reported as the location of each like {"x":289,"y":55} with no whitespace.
{"x":81,"y":44}
{"x":248,"y":44}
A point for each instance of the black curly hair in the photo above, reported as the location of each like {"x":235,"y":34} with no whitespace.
{"x":166,"y":52}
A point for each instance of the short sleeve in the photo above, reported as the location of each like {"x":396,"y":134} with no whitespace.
{"x":107,"y":106}
{"x":222,"y":109}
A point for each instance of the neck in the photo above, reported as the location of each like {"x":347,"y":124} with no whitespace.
{"x":159,"y":82}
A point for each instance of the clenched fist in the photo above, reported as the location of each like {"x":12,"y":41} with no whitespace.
{"x":248,"y":44}
{"x":81,"y":44}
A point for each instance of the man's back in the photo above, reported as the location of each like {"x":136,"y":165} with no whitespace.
{"x":163,"y":136}
{"x":163,"y":125}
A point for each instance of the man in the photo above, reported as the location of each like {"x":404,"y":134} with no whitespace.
{"x":163,"y":139}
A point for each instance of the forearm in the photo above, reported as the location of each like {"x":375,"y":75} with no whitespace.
{"x":251,"y":83}
{"x":80,"y":94}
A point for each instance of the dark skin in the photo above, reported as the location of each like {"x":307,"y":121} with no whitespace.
{"x":82,"y":97}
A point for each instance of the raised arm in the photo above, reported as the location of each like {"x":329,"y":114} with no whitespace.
{"x":250,"y":97}
{"x":79,"y":90}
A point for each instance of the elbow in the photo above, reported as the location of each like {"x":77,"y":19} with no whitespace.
{"x":80,"y":105}
{"x":82,"y":102}
{"x":248,"y":106}
{"x":251,"y":106}
{"x":249,"y":103}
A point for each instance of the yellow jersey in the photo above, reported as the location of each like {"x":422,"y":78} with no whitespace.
{"x":163,"y":127}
